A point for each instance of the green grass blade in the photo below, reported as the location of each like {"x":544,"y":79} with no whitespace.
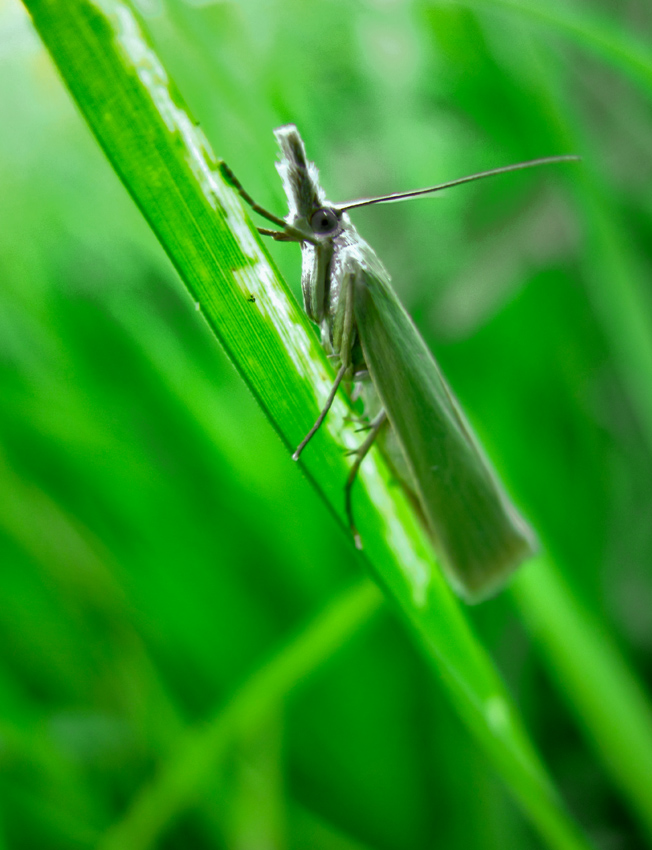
{"x":590,"y":30}
{"x":619,"y":290}
{"x":603,"y":693}
{"x":182,"y":778}
{"x":167,"y":166}
{"x":68,"y":555}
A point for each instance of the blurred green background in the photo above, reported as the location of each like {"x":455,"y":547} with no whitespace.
{"x":156,"y":541}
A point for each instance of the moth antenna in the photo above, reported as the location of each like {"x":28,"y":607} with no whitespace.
{"x":403,"y":196}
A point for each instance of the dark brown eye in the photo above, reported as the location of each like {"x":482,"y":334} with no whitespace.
{"x":324,"y":221}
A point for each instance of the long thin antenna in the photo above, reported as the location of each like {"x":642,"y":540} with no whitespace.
{"x":402,"y":196}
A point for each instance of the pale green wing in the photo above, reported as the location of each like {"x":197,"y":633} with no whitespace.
{"x":477,"y":531}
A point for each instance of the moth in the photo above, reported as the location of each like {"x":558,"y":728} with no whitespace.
{"x":477,"y":532}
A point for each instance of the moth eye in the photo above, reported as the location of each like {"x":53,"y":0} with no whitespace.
{"x":324,"y":221}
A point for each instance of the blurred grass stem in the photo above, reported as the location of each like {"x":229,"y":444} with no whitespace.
{"x":200,"y":751}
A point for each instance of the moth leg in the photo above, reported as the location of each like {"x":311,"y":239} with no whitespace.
{"x":322,"y":415}
{"x":278,"y":235}
{"x":287,"y":234}
{"x":233,"y":181}
{"x":345,"y":357}
{"x":361,"y":453}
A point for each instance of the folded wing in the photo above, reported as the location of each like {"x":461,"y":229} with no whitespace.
{"x":477,"y":531}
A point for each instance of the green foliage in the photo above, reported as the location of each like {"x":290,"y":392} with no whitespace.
{"x":157,"y":543}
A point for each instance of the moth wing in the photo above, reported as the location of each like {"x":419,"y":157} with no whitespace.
{"x":477,"y":531}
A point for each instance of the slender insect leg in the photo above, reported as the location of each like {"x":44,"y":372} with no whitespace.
{"x":361,"y":453}
{"x":345,"y":356}
{"x":233,"y":181}
{"x":280,"y":235}
{"x":322,"y":415}
{"x":288,"y":234}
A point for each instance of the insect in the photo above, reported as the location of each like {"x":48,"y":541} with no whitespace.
{"x":476,"y":530}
